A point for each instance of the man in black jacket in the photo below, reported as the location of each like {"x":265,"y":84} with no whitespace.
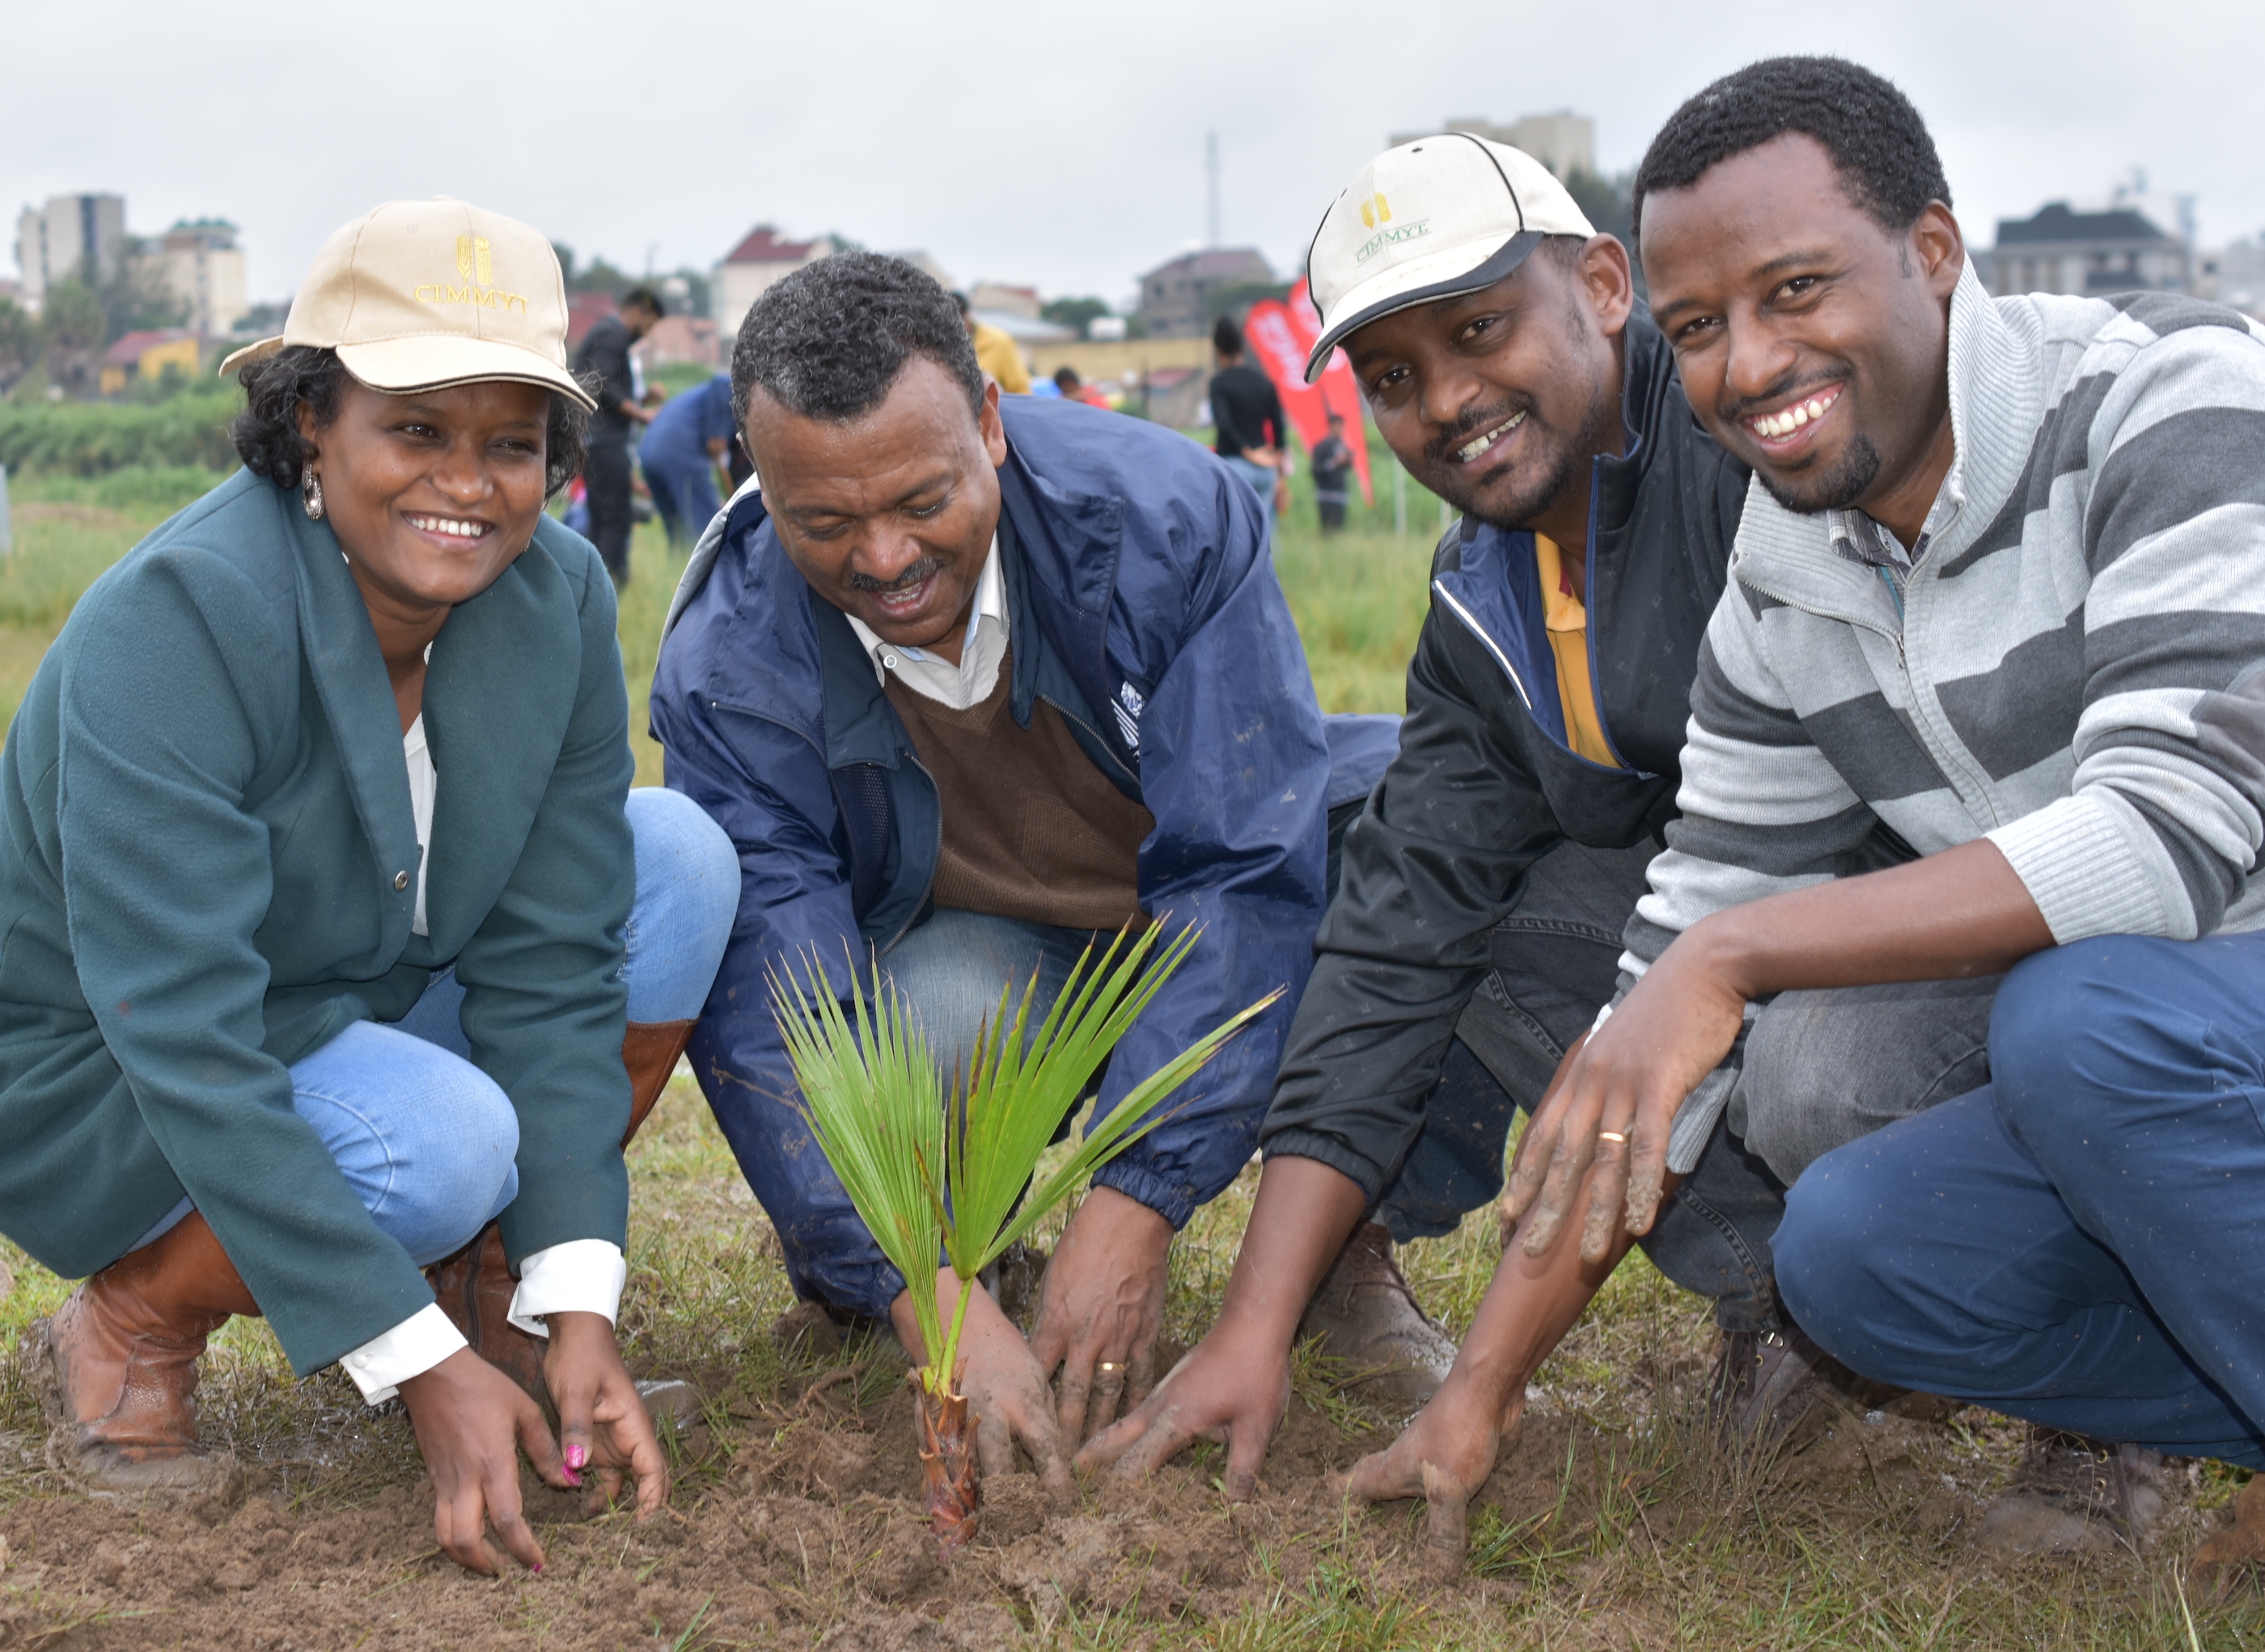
{"x":603,"y":364}
{"x":1476,"y":929}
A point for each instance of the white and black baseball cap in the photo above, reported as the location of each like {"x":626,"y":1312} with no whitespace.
{"x":1432,"y":219}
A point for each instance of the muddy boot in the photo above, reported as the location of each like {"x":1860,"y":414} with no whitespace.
{"x":2231,"y":1555}
{"x":2072,"y":1495}
{"x":475,"y":1286}
{"x":1778,"y":1388}
{"x":1366,"y":1316}
{"x":122,"y":1352}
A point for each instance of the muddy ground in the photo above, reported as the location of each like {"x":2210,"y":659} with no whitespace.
{"x":796,"y":1522}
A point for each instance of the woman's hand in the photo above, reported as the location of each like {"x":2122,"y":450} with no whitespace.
{"x":471,"y":1423}
{"x":602,"y":1421}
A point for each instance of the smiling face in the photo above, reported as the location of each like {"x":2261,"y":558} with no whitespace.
{"x":433,"y":493}
{"x":1497,"y":400}
{"x":889,"y":514}
{"x":1812,"y":340}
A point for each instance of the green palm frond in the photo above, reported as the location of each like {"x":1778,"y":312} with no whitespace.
{"x":880,"y":1111}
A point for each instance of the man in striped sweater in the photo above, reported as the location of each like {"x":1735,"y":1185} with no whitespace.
{"x":1988,"y":685}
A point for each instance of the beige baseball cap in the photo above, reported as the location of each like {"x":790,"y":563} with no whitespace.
{"x":416,"y":294}
{"x":1433,"y":219}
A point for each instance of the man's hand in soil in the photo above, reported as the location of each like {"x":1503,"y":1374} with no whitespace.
{"x":1443,"y":1457}
{"x":602,"y":1422}
{"x":1100,"y":1308}
{"x":471,"y":1423}
{"x":1234,"y":1386}
{"x":1005,"y":1389}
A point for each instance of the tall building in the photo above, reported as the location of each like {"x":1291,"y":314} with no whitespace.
{"x":203,"y":268}
{"x":1564,"y":143}
{"x":65,"y":238}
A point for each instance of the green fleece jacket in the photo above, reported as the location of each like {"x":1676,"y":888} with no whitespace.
{"x":209,"y":871}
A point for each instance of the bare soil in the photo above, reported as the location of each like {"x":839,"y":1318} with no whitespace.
{"x":798,"y":1522}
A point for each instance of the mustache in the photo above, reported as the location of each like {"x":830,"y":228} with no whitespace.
{"x":1777,"y":396}
{"x":925,"y":568}
{"x":1471,"y":423}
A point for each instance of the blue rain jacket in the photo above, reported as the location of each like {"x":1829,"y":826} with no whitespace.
{"x":1142,"y":604}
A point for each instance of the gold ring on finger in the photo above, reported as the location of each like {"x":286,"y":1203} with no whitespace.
{"x":1109,"y":1366}
{"x":1611,"y":1135}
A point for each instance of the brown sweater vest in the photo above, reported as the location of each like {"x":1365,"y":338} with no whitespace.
{"x":1031,"y":829}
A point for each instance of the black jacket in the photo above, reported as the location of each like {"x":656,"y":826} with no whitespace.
{"x":1485,"y":785}
{"x":605,"y":355}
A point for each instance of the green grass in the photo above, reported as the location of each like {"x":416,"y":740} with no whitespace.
{"x":1638,"y":1533}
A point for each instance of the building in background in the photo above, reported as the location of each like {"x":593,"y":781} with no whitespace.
{"x":2235,"y":275}
{"x":2060,"y":249}
{"x":755,"y":265}
{"x":68,"y":236}
{"x":1564,"y":143}
{"x":1175,"y":296}
{"x":148,"y":354}
{"x":998,"y":298}
{"x":675,"y":339}
{"x":201,"y":265}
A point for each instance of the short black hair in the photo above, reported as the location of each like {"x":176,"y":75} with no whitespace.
{"x":829,"y":340}
{"x":1878,"y":143}
{"x":1226,"y":337}
{"x":647,"y":298}
{"x":267,"y":432}
{"x":1066,"y":377}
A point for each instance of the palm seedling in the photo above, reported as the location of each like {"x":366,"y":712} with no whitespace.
{"x":938,"y":1165}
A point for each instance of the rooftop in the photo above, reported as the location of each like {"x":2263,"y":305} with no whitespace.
{"x":763,"y":245}
{"x":1212,"y":264}
{"x":2058,"y":222}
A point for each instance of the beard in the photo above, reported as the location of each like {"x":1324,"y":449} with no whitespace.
{"x":1839,"y":485}
{"x":1552,"y":465}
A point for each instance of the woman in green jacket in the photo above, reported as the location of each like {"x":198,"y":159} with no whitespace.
{"x":317,"y":869}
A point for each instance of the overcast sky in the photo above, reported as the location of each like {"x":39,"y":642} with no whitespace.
{"x":1057,"y":145}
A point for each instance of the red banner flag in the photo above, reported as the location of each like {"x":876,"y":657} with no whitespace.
{"x":1282,"y":335}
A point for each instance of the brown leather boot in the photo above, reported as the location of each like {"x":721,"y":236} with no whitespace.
{"x":475,"y":1286}
{"x":124,"y":1349}
{"x":1365,"y":1315}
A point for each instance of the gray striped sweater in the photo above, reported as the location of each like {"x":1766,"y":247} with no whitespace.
{"x":2073,"y":666}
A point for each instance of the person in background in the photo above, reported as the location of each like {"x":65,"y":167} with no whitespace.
{"x":1332,"y":465}
{"x":603,"y":362}
{"x":335,"y":935}
{"x":1247,"y":411}
{"x":996,"y":353}
{"x":1075,"y":389}
{"x":688,"y":440}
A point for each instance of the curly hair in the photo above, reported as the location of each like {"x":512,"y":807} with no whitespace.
{"x":829,"y":340}
{"x":1879,"y":145}
{"x":267,"y":432}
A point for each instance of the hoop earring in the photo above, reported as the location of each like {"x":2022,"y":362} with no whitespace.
{"x":310,"y":496}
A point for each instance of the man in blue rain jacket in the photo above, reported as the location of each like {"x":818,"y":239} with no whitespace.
{"x":968,"y":683}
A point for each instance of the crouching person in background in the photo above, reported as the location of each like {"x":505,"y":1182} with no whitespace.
{"x":317,"y":879}
{"x":971,"y":683}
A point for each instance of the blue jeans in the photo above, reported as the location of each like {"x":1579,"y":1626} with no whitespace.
{"x":1261,"y":482}
{"x":2079,"y":1242}
{"x":683,"y":493}
{"x":950,"y":971}
{"x":425,"y":1140}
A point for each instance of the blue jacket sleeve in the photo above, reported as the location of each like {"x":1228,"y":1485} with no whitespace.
{"x":794,"y":911}
{"x":1236,"y":772}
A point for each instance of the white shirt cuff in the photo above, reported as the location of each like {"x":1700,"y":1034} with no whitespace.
{"x":410,"y":1349}
{"x":584,"y":1276}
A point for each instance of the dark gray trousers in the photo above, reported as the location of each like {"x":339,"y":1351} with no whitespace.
{"x":1820,"y":1068}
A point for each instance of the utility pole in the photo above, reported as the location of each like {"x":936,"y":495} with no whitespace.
{"x":1210,"y":178}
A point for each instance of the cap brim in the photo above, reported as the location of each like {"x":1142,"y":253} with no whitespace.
{"x":433,"y":363}
{"x":251,"y":353}
{"x":1447,"y":274}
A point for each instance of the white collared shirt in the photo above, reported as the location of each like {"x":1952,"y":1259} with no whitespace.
{"x":971,"y":681}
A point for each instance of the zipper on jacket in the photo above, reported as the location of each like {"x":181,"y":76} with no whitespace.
{"x":1471,"y":623}
{"x":1069,"y":716}
{"x":935,"y":857}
